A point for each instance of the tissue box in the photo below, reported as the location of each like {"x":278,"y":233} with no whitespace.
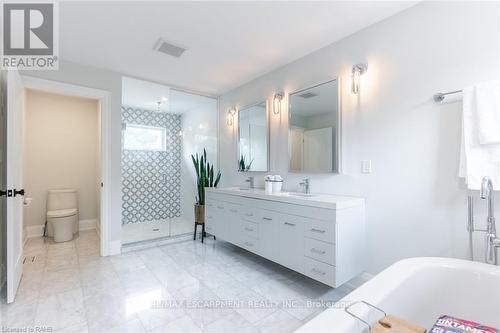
{"x":448,"y":324}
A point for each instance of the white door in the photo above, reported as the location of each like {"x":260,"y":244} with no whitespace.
{"x":296,"y":149}
{"x":14,"y":181}
{"x":318,"y":150}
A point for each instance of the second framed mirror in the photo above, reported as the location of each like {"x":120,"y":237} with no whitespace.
{"x":314,"y":129}
{"x":253,"y":138}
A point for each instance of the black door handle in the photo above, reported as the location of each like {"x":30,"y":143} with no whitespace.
{"x":20,"y":192}
{"x":3,"y":193}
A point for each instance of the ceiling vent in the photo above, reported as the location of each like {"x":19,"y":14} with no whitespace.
{"x":168,"y":48}
{"x":307,"y":95}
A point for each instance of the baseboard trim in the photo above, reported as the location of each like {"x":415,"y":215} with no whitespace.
{"x":359,"y":280}
{"x":37,"y":230}
{"x":88,"y":224}
{"x":115,"y":247}
{"x":34,"y":231}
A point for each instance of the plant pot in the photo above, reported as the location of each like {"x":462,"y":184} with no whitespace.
{"x":199,"y":214}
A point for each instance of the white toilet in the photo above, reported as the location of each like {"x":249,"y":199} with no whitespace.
{"x":62,"y":214}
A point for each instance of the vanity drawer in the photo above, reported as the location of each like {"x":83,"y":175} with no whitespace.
{"x":249,"y":243}
{"x":319,"y":271}
{"x":324,"y":252}
{"x":250,"y":229}
{"x":209,"y":222}
{"x":233,"y":209}
{"x":250,"y":214}
{"x":320,"y":230}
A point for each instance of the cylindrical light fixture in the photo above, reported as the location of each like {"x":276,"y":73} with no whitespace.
{"x":278,"y":97}
{"x":357,"y":71}
{"x":230,"y":116}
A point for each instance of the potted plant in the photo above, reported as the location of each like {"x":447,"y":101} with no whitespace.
{"x":205,"y":178}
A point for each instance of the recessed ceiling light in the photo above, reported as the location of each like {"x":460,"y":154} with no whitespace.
{"x":164,"y":99}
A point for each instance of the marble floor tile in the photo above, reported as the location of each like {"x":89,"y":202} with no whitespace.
{"x":279,"y":321}
{"x":131,"y":326}
{"x":108,"y":309}
{"x":156,"y":307}
{"x":127,"y":262}
{"x":183,"y":286}
{"x":229,"y":324}
{"x":59,"y":281}
{"x":61,"y":310}
{"x":138,"y":279}
{"x":183,"y":324}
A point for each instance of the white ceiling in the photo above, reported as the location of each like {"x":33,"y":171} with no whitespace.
{"x":145,"y":95}
{"x":325,"y":101}
{"x":228,"y":43}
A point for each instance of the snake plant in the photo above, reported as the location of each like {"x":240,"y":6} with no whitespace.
{"x":242,"y":166}
{"x":205,"y":175}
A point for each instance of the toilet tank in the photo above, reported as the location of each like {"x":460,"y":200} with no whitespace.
{"x":62,"y":199}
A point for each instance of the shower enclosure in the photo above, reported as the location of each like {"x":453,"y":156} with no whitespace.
{"x":162,"y":127}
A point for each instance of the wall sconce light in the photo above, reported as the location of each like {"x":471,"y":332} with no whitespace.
{"x":357,"y":71}
{"x":230,"y":116}
{"x":278,"y":97}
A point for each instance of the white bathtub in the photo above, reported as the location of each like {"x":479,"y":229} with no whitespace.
{"x":421,"y":290}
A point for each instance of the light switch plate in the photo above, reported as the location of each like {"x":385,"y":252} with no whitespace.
{"x":366,"y":166}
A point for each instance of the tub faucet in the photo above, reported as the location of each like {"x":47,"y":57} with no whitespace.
{"x":250,"y":181}
{"x":307,"y":185}
{"x":492,"y":241}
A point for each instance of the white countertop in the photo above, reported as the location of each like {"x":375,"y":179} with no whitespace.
{"x":326,"y":201}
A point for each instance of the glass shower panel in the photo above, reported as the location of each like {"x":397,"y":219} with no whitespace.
{"x":151,"y":162}
{"x":158,"y":178}
{"x":198,"y":131}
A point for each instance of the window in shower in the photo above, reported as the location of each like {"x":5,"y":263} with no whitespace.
{"x":140,"y":137}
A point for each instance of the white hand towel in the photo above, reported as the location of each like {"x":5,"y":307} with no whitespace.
{"x":476,"y":160}
{"x":488,"y":111}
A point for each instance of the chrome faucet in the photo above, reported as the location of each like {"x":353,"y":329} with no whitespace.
{"x":492,"y":241}
{"x":307,"y":185}
{"x":250,"y":180}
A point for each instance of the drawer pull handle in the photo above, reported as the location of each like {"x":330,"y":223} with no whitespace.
{"x":314,"y":270}
{"x":318,"y":231}
{"x":248,"y":244}
{"x":209,"y":205}
{"x":210,"y":217}
{"x":220,"y":207}
{"x":248,"y":229}
{"x":233,"y":211}
{"x":290,"y":224}
{"x":249,"y":214}
{"x":313,"y":250}
{"x":267,"y":218}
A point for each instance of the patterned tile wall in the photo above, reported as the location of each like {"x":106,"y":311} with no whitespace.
{"x":151,"y":180}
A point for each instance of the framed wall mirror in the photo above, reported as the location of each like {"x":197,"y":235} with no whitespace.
{"x":314,"y":129}
{"x":253,"y":138}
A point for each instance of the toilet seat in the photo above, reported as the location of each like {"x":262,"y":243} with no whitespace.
{"x":61,"y":213}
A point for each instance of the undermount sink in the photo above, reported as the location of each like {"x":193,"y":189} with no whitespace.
{"x":298,"y":194}
{"x":244,"y":188}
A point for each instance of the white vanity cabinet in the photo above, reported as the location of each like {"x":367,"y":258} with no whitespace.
{"x":322,"y":237}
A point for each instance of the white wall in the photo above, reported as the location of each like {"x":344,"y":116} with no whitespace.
{"x":110,"y":81}
{"x":61,"y":148}
{"x":414,"y":203}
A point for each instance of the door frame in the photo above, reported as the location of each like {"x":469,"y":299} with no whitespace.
{"x":104,"y":98}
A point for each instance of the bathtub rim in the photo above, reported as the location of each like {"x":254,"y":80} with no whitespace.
{"x":336,"y":318}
